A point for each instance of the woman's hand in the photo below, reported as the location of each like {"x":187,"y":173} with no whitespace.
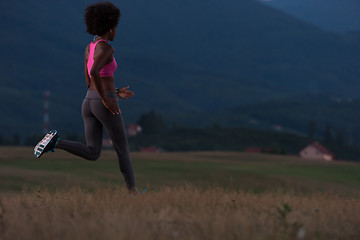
{"x":111,"y":104}
{"x":125,"y":93}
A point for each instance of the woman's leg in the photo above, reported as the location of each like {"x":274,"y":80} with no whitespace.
{"x":93,"y":135}
{"x":115,"y":128}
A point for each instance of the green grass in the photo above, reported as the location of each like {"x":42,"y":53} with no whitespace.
{"x":229,"y":170}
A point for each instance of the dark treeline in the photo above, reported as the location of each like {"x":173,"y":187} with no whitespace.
{"x":217,"y":138}
{"x":157,"y":134}
{"x":32,"y":140}
{"x":220,"y":138}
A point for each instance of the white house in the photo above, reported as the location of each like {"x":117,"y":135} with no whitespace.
{"x":317,"y":151}
{"x":133,"y":130}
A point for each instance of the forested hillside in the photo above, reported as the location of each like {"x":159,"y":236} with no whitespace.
{"x":182,"y":58}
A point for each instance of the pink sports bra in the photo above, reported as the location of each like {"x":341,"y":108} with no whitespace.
{"x":107,"y":70}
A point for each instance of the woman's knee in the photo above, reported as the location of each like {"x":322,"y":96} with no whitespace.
{"x":94,"y":156}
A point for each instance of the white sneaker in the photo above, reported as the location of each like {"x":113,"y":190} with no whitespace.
{"x":47,"y":144}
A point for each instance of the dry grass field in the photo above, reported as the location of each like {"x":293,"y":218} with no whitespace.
{"x":194,"y":195}
{"x":177,"y":213}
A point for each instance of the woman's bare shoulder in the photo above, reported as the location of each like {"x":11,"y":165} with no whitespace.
{"x":103,"y":49}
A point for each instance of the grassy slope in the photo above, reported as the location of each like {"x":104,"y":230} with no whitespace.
{"x":232,"y":170}
{"x":177,"y":213}
{"x":255,"y":197}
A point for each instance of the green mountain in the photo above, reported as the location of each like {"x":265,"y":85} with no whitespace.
{"x":182,"y":58}
{"x":296,"y":114}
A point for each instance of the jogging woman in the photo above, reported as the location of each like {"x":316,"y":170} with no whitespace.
{"x":100,"y":107}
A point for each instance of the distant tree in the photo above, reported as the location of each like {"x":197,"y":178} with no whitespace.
{"x":328,"y":136}
{"x":16,"y":139}
{"x":32,"y":140}
{"x":339,"y":137}
{"x":151,"y":123}
{"x":74,"y":137}
{"x":312,"y":127}
{"x":8,"y":141}
{"x":216,"y":126}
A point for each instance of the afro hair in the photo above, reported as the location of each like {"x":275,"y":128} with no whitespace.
{"x":101,"y":17}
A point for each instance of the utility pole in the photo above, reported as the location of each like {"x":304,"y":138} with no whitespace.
{"x":46,"y":112}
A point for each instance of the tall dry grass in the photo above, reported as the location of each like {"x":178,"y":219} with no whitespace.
{"x":181,"y":213}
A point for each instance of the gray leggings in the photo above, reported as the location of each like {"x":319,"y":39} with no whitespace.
{"x":96,"y":116}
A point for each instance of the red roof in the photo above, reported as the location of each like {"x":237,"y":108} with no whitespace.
{"x":321,"y":148}
{"x":253,"y":150}
{"x":150,"y":149}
